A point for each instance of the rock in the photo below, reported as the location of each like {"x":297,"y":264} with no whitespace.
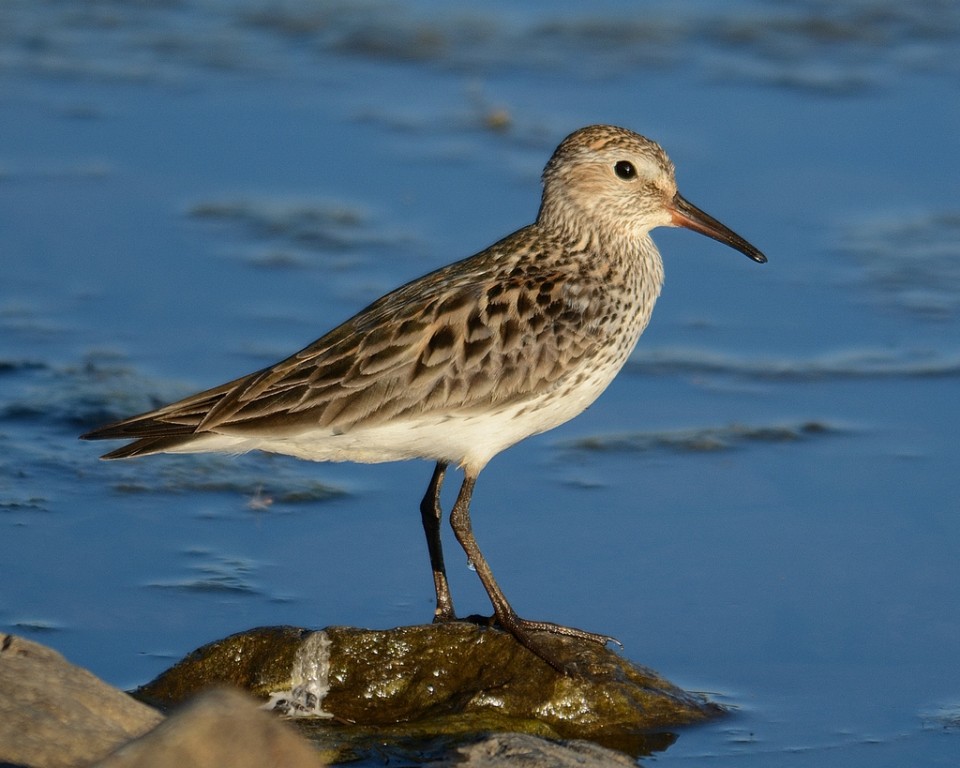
{"x":54,"y":714}
{"x":366,"y":688}
{"x":221,"y":727}
{"x":519,"y":750}
{"x":413,"y":693}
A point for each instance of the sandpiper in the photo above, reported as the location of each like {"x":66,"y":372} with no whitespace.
{"x":466,"y":361}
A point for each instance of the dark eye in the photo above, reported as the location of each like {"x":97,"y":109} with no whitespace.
{"x":625,"y":170}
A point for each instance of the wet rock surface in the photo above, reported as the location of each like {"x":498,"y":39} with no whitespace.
{"x":458,"y":694}
{"x":353,"y":689}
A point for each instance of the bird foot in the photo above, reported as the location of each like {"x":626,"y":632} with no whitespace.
{"x":521,"y":629}
{"x":560,"y":629}
{"x":443,"y":617}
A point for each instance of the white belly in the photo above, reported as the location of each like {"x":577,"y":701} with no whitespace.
{"x":467,"y":438}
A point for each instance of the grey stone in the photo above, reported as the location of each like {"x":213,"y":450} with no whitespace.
{"x":56,"y":715}
{"x":520,"y":750}
{"x":221,"y":727}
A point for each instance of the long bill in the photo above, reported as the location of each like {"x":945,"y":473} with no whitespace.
{"x":686,"y":214}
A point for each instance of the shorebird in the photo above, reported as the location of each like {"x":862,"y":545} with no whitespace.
{"x":467,"y":360}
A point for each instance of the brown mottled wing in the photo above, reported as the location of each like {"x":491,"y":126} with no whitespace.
{"x":493,"y":328}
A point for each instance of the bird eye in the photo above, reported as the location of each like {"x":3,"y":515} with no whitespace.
{"x":625,"y":170}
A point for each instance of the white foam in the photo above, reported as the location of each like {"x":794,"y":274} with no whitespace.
{"x":309,"y":680}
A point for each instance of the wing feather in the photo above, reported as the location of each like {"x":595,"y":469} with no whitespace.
{"x":491,"y":329}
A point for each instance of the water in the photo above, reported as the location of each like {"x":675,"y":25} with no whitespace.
{"x":762,"y":506}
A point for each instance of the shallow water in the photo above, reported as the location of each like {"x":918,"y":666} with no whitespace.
{"x":764,"y":503}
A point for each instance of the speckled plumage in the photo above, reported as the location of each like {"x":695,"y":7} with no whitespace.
{"x":464,"y":362}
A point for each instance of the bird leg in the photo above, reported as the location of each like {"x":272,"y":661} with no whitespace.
{"x":431,"y":513}
{"x":505,"y":616}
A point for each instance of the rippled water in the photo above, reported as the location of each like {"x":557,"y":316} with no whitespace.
{"x":763,"y":505}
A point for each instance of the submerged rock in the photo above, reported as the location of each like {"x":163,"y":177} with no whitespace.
{"x":439,"y":681}
{"x":54,"y":714}
{"x":517,"y":749}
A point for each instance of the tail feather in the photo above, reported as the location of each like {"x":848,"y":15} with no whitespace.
{"x":139,"y":428}
{"x":150,"y":434}
{"x":166,"y":428}
{"x":148,"y":445}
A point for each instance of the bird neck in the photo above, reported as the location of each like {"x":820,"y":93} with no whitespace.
{"x":626,"y":251}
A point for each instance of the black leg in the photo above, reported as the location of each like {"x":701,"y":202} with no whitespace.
{"x":504,"y":613}
{"x":430,"y":513}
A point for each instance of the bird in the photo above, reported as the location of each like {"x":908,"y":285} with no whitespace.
{"x":462,"y":363}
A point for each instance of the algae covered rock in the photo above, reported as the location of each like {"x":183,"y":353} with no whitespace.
{"x":438,"y":681}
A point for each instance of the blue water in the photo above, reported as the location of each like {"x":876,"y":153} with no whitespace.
{"x":762,"y":506}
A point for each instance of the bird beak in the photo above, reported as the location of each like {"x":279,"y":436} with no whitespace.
{"x":686,"y":214}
